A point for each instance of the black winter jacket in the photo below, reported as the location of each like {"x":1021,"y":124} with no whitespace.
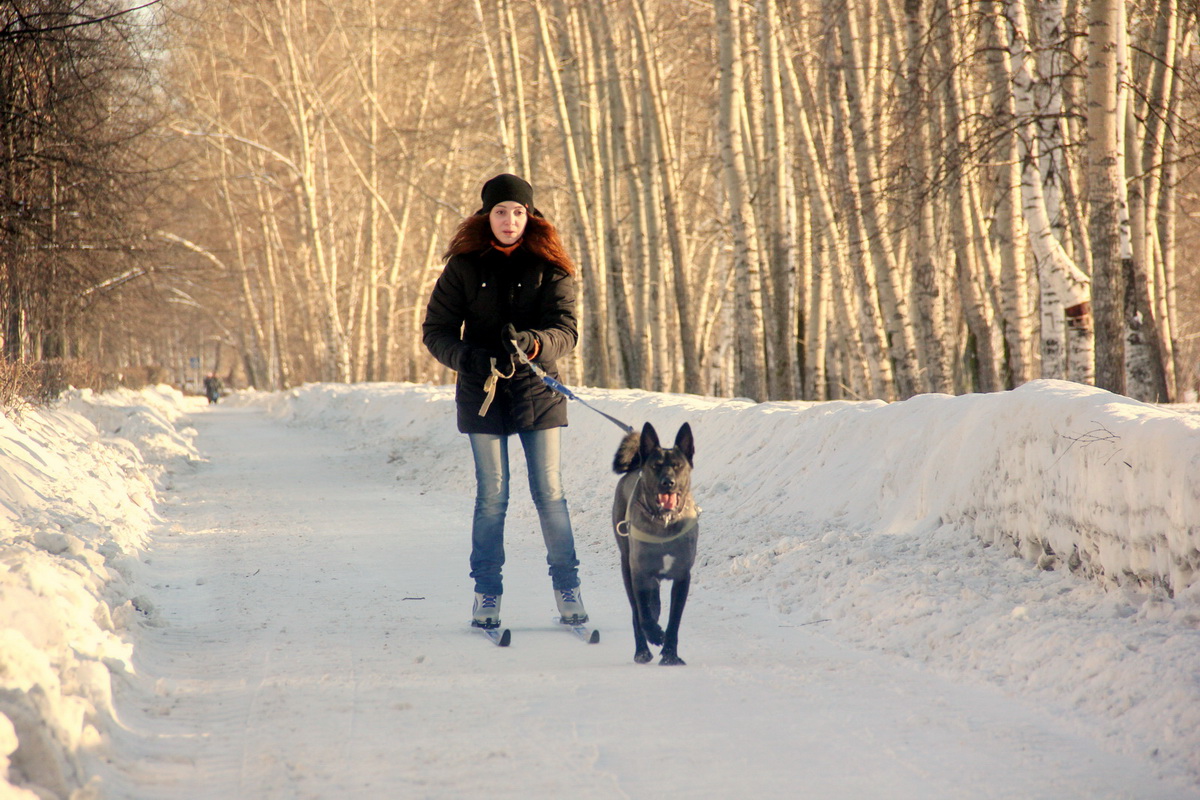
{"x":475,"y":296}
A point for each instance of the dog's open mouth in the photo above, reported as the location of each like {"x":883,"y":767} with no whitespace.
{"x":668,"y":501}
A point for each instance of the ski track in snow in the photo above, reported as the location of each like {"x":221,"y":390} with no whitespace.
{"x":309,"y":640}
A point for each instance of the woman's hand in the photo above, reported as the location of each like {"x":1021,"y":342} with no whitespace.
{"x":514,"y":340}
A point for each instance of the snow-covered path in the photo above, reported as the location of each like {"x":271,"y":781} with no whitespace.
{"x":311,"y":643}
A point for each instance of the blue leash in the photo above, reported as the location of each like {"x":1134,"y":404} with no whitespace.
{"x":563,"y":390}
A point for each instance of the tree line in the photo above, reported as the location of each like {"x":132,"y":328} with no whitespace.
{"x":818,"y":199}
{"x":75,"y":107}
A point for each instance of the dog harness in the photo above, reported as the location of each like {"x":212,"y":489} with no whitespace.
{"x":627,"y":528}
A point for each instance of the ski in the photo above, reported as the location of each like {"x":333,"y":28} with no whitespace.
{"x":501,"y":637}
{"x":586,"y":633}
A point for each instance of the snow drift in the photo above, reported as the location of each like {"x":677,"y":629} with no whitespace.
{"x":891,"y":525}
{"x":1065,"y":475}
{"x":76,"y":506}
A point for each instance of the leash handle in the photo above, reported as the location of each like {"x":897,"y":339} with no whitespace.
{"x":489,"y":387}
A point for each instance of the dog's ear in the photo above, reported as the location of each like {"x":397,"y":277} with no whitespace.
{"x":684,"y":442}
{"x":649,"y":441}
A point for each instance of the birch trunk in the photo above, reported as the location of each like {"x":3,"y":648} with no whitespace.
{"x":374,"y":368}
{"x":827,"y":242}
{"x":612,"y":102}
{"x":657,"y":122}
{"x":1167,"y":214}
{"x":633,"y":345}
{"x":512,"y":51}
{"x":309,"y":142}
{"x":817,"y":279}
{"x":591,"y":269}
{"x":1145,"y":378}
{"x":926,"y":290}
{"x":1008,"y":229}
{"x":256,"y":362}
{"x":1061,"y":284}
{"x":979,"y":280}
{"x":866,"y":300}
{"x":598,"y":141}
{"x":1149,"y":355}
{"x":971,"y":260}
{"x":749,"y":345}
{"x":278,"y":368}
{"x":897,"y":325}
{"x":781,"y":221}
{"x":497,"y":90}
{"x":1104,"y":190}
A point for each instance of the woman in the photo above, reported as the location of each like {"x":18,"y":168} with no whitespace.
{"x":507,"y":284}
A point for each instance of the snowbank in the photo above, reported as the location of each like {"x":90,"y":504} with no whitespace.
{"x":889,"y":527}
{"x":76,"y":505}
{"x":1063,"y":474}
{"x":893,"y":527}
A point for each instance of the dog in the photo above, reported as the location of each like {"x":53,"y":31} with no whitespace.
{"x":656,"y":524}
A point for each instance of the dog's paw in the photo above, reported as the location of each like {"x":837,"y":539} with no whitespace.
{"x":671,"y":660}
{"x":642,"y":657}
{"x":654,"y":633}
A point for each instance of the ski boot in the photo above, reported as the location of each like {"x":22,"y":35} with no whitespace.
{"x":486,"y":612}
{"x":570,"y":606}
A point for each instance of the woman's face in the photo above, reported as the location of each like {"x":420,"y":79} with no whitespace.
{"x":508,"y":221}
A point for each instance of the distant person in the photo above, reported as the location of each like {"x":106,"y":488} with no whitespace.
{"x":212,"y":387}
{"x":508,"y":277}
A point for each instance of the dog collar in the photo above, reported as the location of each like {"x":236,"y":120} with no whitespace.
{"x":625,"y":528}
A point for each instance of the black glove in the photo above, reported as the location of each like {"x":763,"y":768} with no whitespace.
{"x":525,"y":340}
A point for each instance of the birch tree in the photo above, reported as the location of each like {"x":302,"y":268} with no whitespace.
{"x":893,"y":303}
{"x":583,"y":204}
{"x":669,"y":211}
{"x":1104,"y":193}
{"x":1150,"y":356}
{"x":1008,"y":228}
{"x":865,"y":303}
{"x":1062,"y":285}
{"x":926,"y":289}
{"x":749,"y":337}
{"x":780,"y":223}
{"x":812,"y":198}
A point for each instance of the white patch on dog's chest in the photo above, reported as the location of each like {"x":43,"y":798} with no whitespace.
{"x":668,"y":562}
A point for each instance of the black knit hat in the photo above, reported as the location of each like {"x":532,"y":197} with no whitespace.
{"x":506,"y":187}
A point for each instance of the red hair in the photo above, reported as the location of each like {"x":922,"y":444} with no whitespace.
{"x":540,"y":238}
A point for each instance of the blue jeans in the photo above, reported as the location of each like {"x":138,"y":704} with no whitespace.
{"x":491,"y":506}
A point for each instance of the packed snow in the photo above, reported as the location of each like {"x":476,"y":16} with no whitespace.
{"x":980,"y":596}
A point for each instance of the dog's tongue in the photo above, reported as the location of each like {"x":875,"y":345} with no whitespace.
{"x":668,"y":501}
